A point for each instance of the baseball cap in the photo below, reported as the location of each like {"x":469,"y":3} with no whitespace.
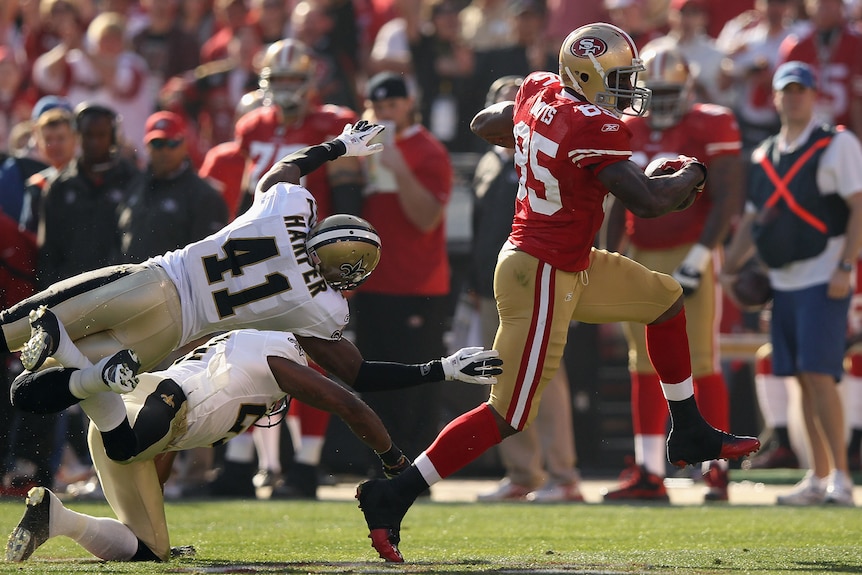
{"x":49,"y":103}
{"x":386,"y":85}
{"x":164,"y":126}
{"x":793,"y":73}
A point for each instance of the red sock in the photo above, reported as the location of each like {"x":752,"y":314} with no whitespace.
{"x":312,"y":421}
{"x":465,"y":438}
{"x":667,"y":346}
{"x":649,"y":407}
{"x":710,"y":392}
{"x":855,"y":361}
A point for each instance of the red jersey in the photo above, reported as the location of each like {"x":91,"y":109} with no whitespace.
{"x":839,"y":74}
{"x":706,"y":132}
{"x":223,"y":167}
{"x":413,"y":262}
{"x":561,"y":144}
{"x":264,"y":139}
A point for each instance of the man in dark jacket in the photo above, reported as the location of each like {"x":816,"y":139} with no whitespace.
{"x":171,"y":206}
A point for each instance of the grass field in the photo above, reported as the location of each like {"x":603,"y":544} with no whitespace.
{"x":330,"y":537}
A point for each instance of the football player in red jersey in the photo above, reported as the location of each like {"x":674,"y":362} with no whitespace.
{"x":681,"y":244}
{"x":289,"y":119}
{"x":571,"y":150}
{"x":832,"y":47}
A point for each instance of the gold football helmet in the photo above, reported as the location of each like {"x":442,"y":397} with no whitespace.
{"x":287,"y":76}
{"x":669,"y":79}
{"x":600,"y":62}
{"x":345,"y":249}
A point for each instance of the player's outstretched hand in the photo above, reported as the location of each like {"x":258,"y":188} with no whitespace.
{"x":473,"y":365}
{"x":356,"y":138}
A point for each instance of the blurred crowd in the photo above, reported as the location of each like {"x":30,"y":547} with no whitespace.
{"x":105,"y":101}
{"x":201,"y":58}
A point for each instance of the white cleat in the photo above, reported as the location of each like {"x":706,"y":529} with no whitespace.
{"x":839,"y":490}
{"x":809,"y":491}
{"x":32,"y":530}
{"x":120,"y":371}
{"x":45,"y":333}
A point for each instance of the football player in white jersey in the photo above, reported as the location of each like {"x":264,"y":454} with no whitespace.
{"x":204,"y":399}
{"x":272,"y":268}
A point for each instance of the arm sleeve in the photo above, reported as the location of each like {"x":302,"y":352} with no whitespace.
{"x":385,"y":376}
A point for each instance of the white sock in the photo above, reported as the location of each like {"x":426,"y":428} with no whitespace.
{"x":678,"y":391}
{"x":106,"y":410}
{"x":104,"y":537}
{"x":310,"y":450}
{"x":651,"y":452}
{"x":68,"y":354}
{"x":87,"y":381}
{"x":426,"y":469}
{"x":773,"y":399}
{"x":267,"y":442}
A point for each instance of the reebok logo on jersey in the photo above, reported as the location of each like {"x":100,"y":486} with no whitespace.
{"x":168,"y":399}
{"x":611,"y":128}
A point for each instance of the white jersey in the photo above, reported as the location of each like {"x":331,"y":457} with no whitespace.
{"x":255,"y":273}
{"x":228,"y":384}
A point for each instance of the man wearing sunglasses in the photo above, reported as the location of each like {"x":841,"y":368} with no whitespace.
{"x":171,"y":206}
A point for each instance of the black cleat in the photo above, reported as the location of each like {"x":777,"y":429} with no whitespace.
{"x":688,"y":446}
{"x":120,"y":371}
{"x":32,"y":530}
{"x":44,"y":338}
{"x":383,"y":509}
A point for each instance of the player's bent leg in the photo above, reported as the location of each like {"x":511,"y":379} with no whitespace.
{"x":46,"y":517}
{"x":67,"y":299}
{"x":121,"y":307}
{"x":134,"y":493}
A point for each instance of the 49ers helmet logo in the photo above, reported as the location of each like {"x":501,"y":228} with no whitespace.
{"x":589,"y":46}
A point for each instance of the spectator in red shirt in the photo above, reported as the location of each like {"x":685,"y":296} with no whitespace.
{"x":410,"y":183}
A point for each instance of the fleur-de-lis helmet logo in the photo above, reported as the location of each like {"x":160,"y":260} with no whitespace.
{"x":352,"y":270}
{"x":345,"y":249}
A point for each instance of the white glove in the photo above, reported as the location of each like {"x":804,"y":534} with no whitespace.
{"x":473,"y":365}
{"x":356,"y":137}
{"x":691,"y":269}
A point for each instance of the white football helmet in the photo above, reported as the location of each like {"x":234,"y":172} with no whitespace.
{"x":287,"y":76}
{"x":345,"y":249}
{"x":600,"y":62}
{"x":669,"y":79}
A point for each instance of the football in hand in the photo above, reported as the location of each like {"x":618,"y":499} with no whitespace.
{"x":751,"y":287}
{"x":654,"y":168}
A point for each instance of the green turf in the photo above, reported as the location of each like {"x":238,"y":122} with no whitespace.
{"x":330,"y":537}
